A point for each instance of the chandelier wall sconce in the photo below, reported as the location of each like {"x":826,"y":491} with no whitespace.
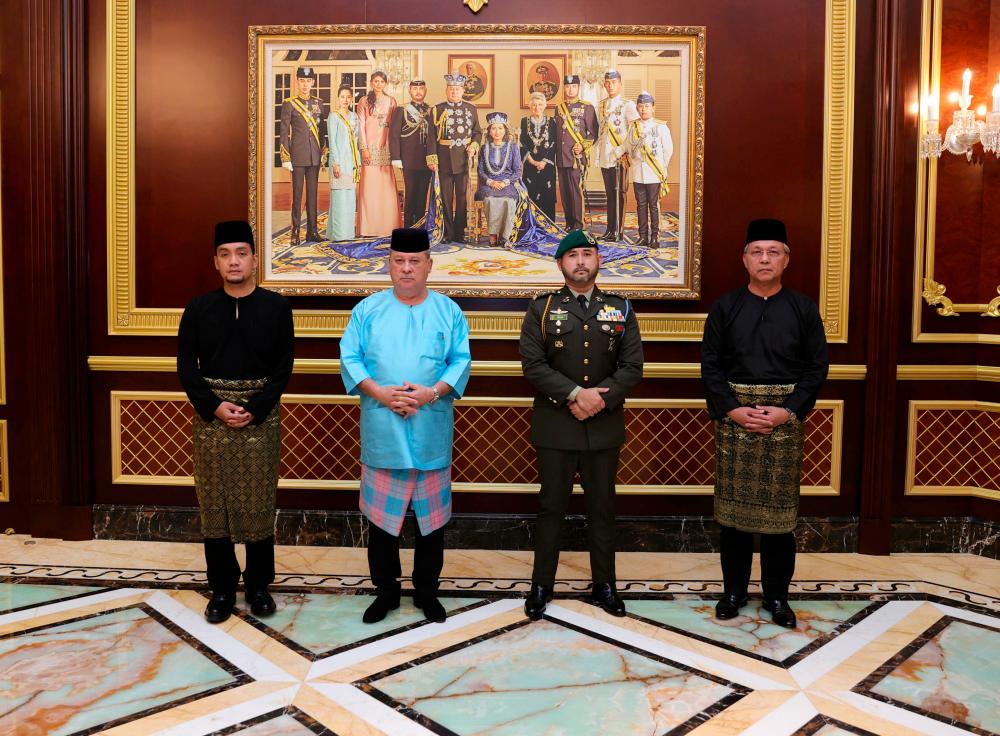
{"x":966,"y":129}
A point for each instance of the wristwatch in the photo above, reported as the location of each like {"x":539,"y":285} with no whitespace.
{"x":437,"y":394}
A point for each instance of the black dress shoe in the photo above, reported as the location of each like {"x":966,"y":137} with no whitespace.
{"x":643,"y":241}
{"x":314,"y":237}
{"x":380,"y":607}
{"x":729,"y":606}
{"x":294,"y":239}
{"x":781,"y":613}
{"x":605,"y":596}
{"x":538,"y":596}
{"x":260,"y":601}
{"x":220,"y":607}
{"x":431,"y":606}
{"x":609,"y":237}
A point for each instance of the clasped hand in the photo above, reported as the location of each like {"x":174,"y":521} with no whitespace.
{"x":759,"y":419}
{"x":233,"y":415}
{"x":588,"y":402}
{"x":406,"y":399}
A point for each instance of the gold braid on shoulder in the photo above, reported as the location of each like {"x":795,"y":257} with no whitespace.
{"x":544,"y":312}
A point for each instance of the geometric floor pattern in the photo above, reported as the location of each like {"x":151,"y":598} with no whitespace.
{"x":902,"y":645}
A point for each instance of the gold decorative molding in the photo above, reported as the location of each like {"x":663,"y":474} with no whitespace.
{"x":838,"y":162}
{"x":948,"y":373}
{"x":926,"y":290}
{"x":125,"y":318}
{"x":4,"y":454}
{"x":3,"y":366}
{"x":956,"y":435}
{"x":331,"y":366}
{"x":834,"y":407}
{"x":475,"y":5}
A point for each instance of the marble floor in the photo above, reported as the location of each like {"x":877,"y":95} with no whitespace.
{"x":108,"y":637}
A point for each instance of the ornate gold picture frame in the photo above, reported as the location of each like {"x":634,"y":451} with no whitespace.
{"x":671,"y":55}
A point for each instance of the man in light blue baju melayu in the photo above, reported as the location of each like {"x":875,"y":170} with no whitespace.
{"x":405,"y":351}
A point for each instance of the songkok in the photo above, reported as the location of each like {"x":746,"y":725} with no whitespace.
{"x":409,"y":240}
{"x":234,"y":231}
{"x":418,"y":83}
{"x":305,"y":72}
{"x":537,"y":96}
{"x":644,"y":96}
{"x":572,"y":79}
{"x":455,"y":80}
{"x":498,"y":117}
{"x":766,"y":229}
{"x":575,"y":239}
{"x":612,"y":74}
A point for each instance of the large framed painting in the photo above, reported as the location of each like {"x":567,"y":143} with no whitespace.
{"x":323,"y":100}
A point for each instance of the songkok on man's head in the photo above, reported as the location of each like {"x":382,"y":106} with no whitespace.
{"x":234,"y":231}
{"x":572,"y":79}
{"x":575,"y":239}
{"x":612,"y":74}
{"x":409,"y":240}
{"x":305,"y":72}
{"x":418,"y":83}
{"x":499,"y":118}
{"x":455,"y":79}
{"x":766,"y":229}
{"x":644,"y":96}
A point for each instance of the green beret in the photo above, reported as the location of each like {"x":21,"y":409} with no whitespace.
{"x":575,"y":239}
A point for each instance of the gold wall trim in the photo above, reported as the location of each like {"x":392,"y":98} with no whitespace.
{"x":838,"y":147}
{"x":910,"y":487}
{"x":948,"y":373}
{"x":331,"y":366}
{"x":3,"y":365}
{"x":4,"y":453}
{"x":117,"y":477}
{"x":925,"y":288}
{"x":125,"y":318}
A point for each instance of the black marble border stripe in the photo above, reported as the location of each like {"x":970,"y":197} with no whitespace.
{"x":367,"y":684}
{"x":886,"y":668}
{"x":291,"y":711}
{"x":822,"y":720}
{"x":13,"y":580}
{"x":312,"y":656}
{"x":791,"y":659}
{"x":240,"y":677}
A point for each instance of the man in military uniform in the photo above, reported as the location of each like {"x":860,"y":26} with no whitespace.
{"x":408,"y":147}
{"x":576,"y":131}
{"x":303,"y":149}
{"x":615,"y":115}
{"x":581,"y":350}
{"x":455,"y":135}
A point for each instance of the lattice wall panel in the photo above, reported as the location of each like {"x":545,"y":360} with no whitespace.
{"x":668,"y":446}
{"x":957,"y":448}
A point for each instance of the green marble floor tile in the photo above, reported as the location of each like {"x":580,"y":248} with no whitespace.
{"x":22,"y":595}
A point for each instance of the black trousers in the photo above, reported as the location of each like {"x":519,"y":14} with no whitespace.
{"x":416,"y":183}
{"x":647,"y":202}
{"x":572,"y":199}
{"x":777,"y":562}
{"x":383,"y":560}
{"x":453,"y":189}
{"x":556,"y":469}
{"x":224,"y":569}
{"x":310,"y":176}
{"x":615,"y":190}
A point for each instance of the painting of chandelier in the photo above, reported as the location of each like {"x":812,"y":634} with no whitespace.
{"x":966,"y":130}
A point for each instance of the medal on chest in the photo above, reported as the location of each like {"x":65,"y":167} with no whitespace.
{"x":608,"y":313}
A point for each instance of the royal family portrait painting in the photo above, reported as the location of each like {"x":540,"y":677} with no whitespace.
{"x":496,"y":140}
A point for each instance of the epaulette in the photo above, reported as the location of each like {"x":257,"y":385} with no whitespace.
{"x":544,"y":295}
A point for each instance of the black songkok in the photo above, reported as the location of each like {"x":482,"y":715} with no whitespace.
{"x":234,"y":231}
{"x":409,"y":240}
{"x":766,"y":229}
{"x":572,"y":79}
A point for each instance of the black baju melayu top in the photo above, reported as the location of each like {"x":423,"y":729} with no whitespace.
{"x":236,"y":338}
{"x":757,"y":340}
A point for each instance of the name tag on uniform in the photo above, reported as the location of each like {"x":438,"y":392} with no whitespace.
{"x":610,"y":314}
{"x":558,"y":315}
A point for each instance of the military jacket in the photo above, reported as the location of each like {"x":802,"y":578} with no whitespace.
{"x":585,"y":120}
{"x":408,"y":135}
{"x":454,"y":127}
{"x":615,"y":115}
{"x":563,"y":347}
{"x":303,"y":131}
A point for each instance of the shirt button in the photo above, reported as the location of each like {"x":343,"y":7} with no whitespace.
{"x":586,"y":327}
{"x":586,"y":344}
{"x":586,"y":361}
{"x":586,"y":378}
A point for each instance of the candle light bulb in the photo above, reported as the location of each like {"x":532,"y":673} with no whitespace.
{"x":981,"y":110}
{"x":996,"y":97}
{"x":953,"y":96}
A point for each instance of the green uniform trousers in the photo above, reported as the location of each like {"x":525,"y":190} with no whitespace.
{"x":556,"y":470}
